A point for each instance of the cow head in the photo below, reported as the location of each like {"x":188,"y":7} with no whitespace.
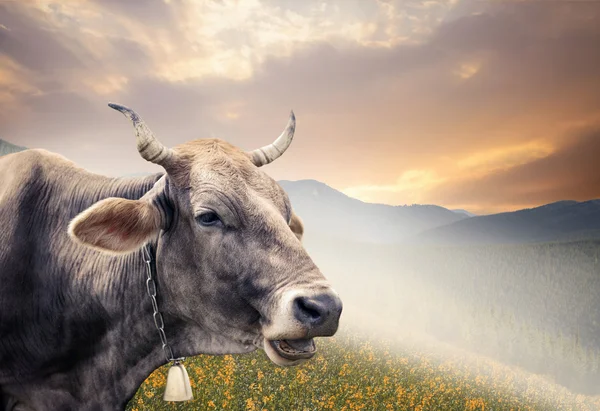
{"x":229,"y":252}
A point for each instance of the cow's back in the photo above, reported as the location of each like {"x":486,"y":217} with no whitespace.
{"x":21,"y":173}
{"x":40,"y":193}
{"x":33,"y":189}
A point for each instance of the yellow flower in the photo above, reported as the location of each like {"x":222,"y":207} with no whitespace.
{"x":250,"y":405}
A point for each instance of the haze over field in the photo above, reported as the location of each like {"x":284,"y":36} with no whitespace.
{"x":520,"y":287}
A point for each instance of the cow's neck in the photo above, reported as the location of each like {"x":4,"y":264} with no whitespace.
{"x":134,"y":343}
{"x":133,"y":319}
{"x":129,"y":348}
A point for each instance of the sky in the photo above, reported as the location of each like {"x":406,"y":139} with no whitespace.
{"x":488,"y":106}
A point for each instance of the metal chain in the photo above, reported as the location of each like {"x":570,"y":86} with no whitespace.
{"x":158,"y":318}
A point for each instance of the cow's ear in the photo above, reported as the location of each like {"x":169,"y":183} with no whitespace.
{"x":116,"y":225}
{"x":297,"y":226}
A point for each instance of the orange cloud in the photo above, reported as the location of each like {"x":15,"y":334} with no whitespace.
{"x":462,"y":104}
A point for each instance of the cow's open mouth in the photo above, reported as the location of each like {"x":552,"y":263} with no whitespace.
{"x":294,"y":349}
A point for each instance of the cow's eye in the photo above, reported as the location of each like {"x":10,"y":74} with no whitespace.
{"x":209,"y":218}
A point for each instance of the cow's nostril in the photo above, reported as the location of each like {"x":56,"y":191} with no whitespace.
{"x":308,"y":311}
{"x":309,"y":308}
{"x":319,"y":313}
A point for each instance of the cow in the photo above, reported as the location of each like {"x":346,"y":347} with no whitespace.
{"x":78,"y":328}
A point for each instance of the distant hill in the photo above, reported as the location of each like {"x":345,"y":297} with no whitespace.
{"x":8,"y":148}
{"x":560,"y":221}
{"x":465,"y":212}
{"x":326,"y":210}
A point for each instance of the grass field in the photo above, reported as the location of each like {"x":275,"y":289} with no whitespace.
{"x":350,"y":373}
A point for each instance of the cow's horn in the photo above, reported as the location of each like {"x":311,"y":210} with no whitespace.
{"x":149,"y":147}
{"x":267,"y":154}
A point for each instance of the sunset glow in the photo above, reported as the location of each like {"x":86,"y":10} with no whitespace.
{"x":398,"y":102}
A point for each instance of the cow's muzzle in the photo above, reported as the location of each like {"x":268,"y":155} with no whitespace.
{"x":301,"y":316}
{"x":320,"y":314}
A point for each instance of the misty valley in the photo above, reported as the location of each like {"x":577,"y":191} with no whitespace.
{"x":533,"y":305}
{"x":520,"y":287}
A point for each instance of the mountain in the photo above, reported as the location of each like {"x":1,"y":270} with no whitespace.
{"x":465,"y":212}
{"x":8,"y":148}
{"x":325,"y":210}
{"x":559,"y":221}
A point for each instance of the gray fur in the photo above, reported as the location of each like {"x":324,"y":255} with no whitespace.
{"x":76,"y":328}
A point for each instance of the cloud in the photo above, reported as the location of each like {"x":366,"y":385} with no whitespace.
{"x":411,"y":185}
{"x":47,"y":54}
{"x":417,"y":186}
{"x":459,"y":91}
{"x":13,"y":87}
{"x":503,"y":158}
{"x":571,"y":172}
